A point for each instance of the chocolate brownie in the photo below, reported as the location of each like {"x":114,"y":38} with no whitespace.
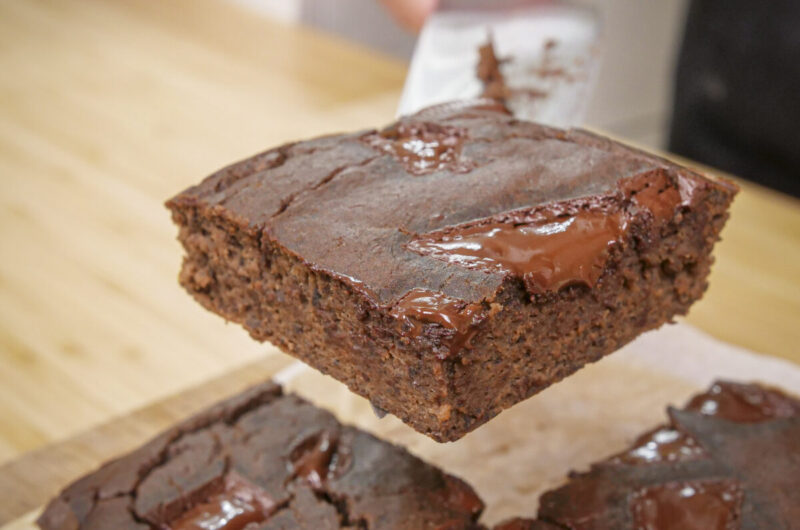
{"x":454,"y":263}
{"x":728,"y":460}
{"x":260,"y":461}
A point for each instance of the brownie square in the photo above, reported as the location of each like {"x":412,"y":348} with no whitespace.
{"x":729,"y":460}
{"x":259,"y":461}
{"x":454,"y":263}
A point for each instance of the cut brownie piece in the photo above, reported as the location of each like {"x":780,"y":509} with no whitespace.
{"x":729,"y":460}
{"x":454,"y":263}
{"x":261,"y":461}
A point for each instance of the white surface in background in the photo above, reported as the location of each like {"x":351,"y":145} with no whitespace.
{"x":631,"y":98}
{"x":682,"y":351}
{"x":283,"y":10}
{"x":444,"y":64}
{"x":686,"y":352}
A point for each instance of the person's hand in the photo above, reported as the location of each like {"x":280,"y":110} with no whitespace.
{"x":410,"y":13}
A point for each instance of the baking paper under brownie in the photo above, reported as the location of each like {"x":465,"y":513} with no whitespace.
{"x":455,"y":262}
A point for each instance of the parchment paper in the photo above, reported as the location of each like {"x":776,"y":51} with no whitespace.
{"x":595,"y":413}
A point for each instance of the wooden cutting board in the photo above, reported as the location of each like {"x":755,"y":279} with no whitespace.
{"x":510,"y":461}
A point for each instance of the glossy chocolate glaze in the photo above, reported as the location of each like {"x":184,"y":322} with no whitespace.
{"x":460,"y":495}
{"x":317,"y":458}
{"x":688,"y":506}
{"x":730,"y":401}
{"x":547,"y":255}
{"x":664,"y":444}
{"x":239,"y":504}
{"x":421,"y":306}
{"x":423,"y":147}
{"x":743,"y":403}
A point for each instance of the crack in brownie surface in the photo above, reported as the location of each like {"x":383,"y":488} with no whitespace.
{"x":460,"y":257}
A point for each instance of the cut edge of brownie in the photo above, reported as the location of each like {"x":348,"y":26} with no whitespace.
{"x":525,"y":343}
{"x":320,"y":473}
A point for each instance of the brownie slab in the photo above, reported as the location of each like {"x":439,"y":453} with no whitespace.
{"x":454,"y":263}
{"x":728,"y":460}
{"x":260,"y":461}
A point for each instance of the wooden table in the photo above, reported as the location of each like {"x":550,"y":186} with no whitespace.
{"x":107,"y":109}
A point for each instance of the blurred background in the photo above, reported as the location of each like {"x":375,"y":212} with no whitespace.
{"x":640,"y":45}
{"x":717,"y":81}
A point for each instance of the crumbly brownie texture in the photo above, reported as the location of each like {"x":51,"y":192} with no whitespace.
{"x":729,"y":460}
{"x":263,"y":461}
{"x":454,"y":263}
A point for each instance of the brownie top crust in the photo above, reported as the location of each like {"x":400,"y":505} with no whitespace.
{"x":260,"y":461}
{"x":431,"y":216}
{"x":728,"y":460}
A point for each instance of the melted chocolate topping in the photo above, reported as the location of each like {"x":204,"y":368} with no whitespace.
{"x":423,"y":147}
{"x":461,"y":496}
{"x":687,"y":506}
{"x":730,"y":401}
{"x":655,"y":192}
{"x":240,"y":504}
{"x":318,"y":458}
{"x":420,"y":305}
{"x":661,"y":445}
{"x":546,"y":255}
{"x":743,"y":403}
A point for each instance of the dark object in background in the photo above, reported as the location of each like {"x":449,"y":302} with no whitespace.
{"x":737,"y":92}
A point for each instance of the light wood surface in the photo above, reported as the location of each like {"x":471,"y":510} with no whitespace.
{"x":32,"y":479}
{"x":106,"y":110}
{"x":109,"y":108}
